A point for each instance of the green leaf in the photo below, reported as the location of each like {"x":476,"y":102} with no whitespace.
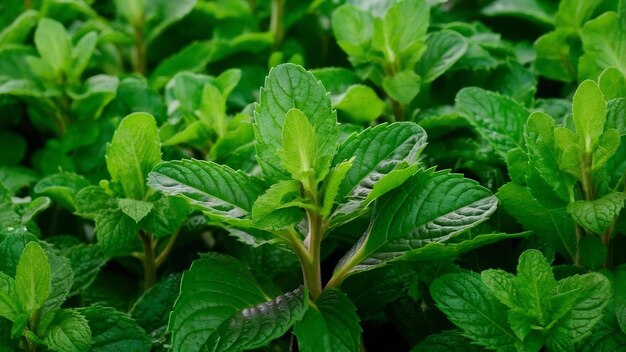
{"x":597,"y":215}
{"x":448,"y":341}
{"x":616,"y":111}
{"x":8,"y":303}
{"x":61,"y":276}
{"x":543,"y":154}
{"x":92,"y":201}
{"x":133,"y":11}
{"x":403,"y":86}
{"x":54,"y":45}
{"x":359,"y":103}
{"x":32,"y":278}
{"x":136,"y":209}
{"x":604,"y":44}
{"x":592,"y":297}
{"x":606,"y":336}
{"x":353,"y":29}
{"x":117,"y":233}
{"x":167,"y":217}
{"x":331,"y":187}
{"x":534,"y":285}
{"x":429,"y":207}
{"x":608,"y":144}
{"x":619,"y":296}
{"x":18,"y":31}
{"x":498,"y":119}
{"x":574,"y":13}
{"x":471,"y":307}
{"x":218,"y":290}
{"x":286,"y":87}
{"x":93,"y":96}
{"x":376,"y":153}
{"x":81,"y":54}
{"x":330,"y":325}
{"x":274,"y":209}
{"x":554,"y":226}
{"x":218,"y":190}
{"x":68,"y":332}
{"x":443,"y":49}
{"x":152,"y":309}
{"x":402,"y":33}
{"x":134,"y":150}
{"x":589,"y":113}
{"x":62,"y":188}
{"x":86,"y":261}
{"x":280,"y":313}
{"x":160,"y":14}
{"x":298,"y":154}
{"x":114,"y":331}
{"x":535,"y":10}
{"x":612,"y":82}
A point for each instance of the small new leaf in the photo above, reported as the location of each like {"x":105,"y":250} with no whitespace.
{"x":298,"y":154}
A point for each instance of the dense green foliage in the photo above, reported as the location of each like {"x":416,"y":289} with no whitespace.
{"x":342,"y":175}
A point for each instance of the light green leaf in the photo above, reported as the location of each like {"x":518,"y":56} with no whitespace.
{"x":290,"y":86}
{"x":330,"y":325}
{"x":443,"y":49}
{"x":332,"y":183}
{"x":354,"y":30}
{"x":359,"y":103}
{"x":298,"y":154}
{"x":92,"y":201}
{"x":589,"y":114}
{"x":216,"y":289}
{"x":543,"y":153}
{"x":32,"y":278}
{"x":136,"y":209}
{"x":280,"y":314}
{"x":403,"y":32}
{"x":274,"y":209}
{"x":117,"y":233}
{"x":213,"y":109}
{"x":607,"y":146}
{"x":471,"y":307}
{"x":160,"y":14}
{"x":81,"y":54}
{"x":616,"y":115}
{"x":93,"y":96}
{"x":18,"y":31}
{"x":429,"y":207}
{"x":114,"y":331}
{"x":217,"y":189}
{"x":534,"y":285}
{"x":61,"y":277}
{"x":606,"y":336}
{"x":502,"y":286}
{"x":403,"y":86}
{"x":535,"y":10}
{"x":134,"y":150}
{"x":612,"y":83}
{"x":54,"y":45}
{"x":604,"y":44}
{"x":68,"y":332}
{"x":597,"y":215}
{"x":376,"y":153}
{"x":133,"y":11}
{"x":574,"y":13}
{"x":497,"y":118}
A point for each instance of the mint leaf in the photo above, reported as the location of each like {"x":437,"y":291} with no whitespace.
{"x":354,"y":30}
{"x":331,"y":324}
{"x":619,"y":296}
{"x":430,"y":207}
{"x":280,"y":313}
{"x":298,"y":154}
{"x":62,"y":188}
{"x":218,"y":190}
{"x":112,"y":330}
{"x":359,"y":103}
{"x":443,"y":49}
{"x":134,"y":150}
{"x":497,"y":118}
{"x":375,"y":153}
{"x":8,"y":303}
{"x":32,"y":278}
{"x":54,"y":45}
{"x":470,"y":306}
{"x":136,"y":209}
{"x":86,"y":261}
{"x":276,"y":208}
{"x":332,"y":184}
{"x":448,"y":341}
{"x":152,"y":309}
{"x":604,"y":45}
{"x":68,"y":332}
{"x":167,"y":216}
{"x":117,"y":233}
{"x":216,"y":290}
{"x":597,"y":215}
{"x":402,"y":86}
{"x":287,"y":87}
{"x":612,"y":83}
{"x":589,"y":114}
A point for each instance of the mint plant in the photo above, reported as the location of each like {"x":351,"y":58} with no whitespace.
{"x":309,"y":187}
